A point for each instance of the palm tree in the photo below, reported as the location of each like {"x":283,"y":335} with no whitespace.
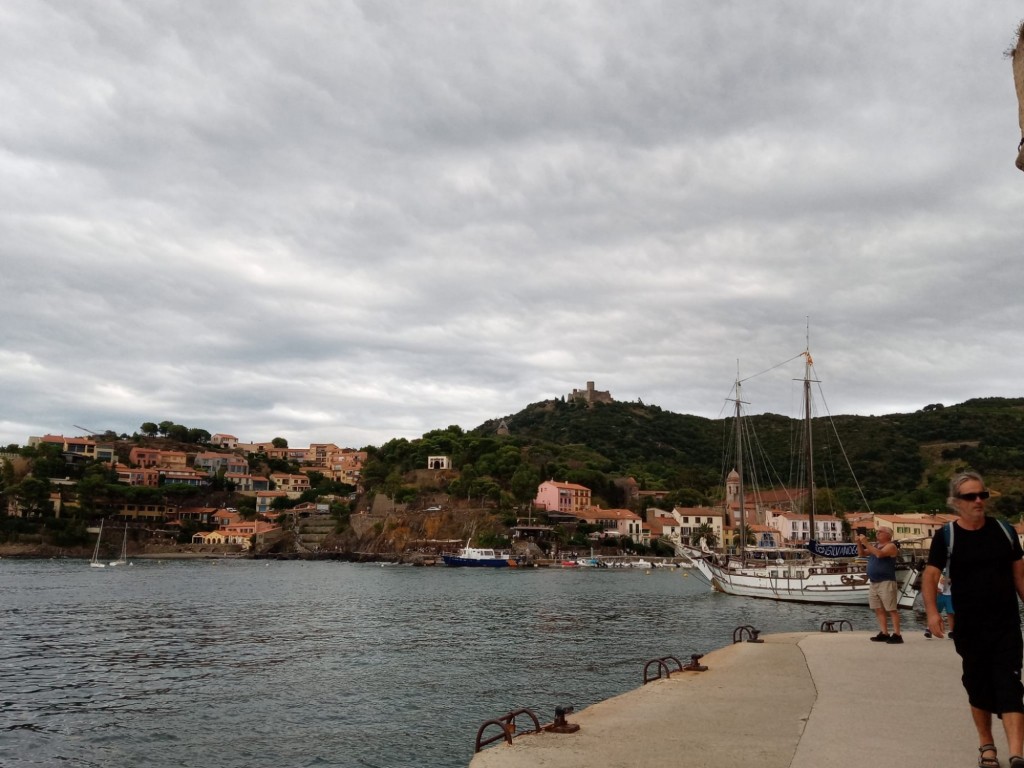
{"x":706,"y":532}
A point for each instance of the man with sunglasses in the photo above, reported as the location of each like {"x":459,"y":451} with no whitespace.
{"x":987,"y":574}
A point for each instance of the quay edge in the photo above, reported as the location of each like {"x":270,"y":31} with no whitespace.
{"x":797,"y":700}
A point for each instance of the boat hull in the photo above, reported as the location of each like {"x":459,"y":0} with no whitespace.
{"x":822,"y":583}
{"x":456,"y":561}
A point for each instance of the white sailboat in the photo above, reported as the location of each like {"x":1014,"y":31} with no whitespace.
{"x":95,"y":562}
{"x":837,"y":578}
{"x":123,"y":559}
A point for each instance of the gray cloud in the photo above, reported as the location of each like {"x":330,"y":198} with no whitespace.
{"x":358,"y":221}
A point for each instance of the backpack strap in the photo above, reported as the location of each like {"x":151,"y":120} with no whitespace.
{"x":1011,"y":535}
{"x":948,"y":529}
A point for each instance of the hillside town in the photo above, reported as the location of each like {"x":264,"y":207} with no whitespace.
{"x":274,"y":511}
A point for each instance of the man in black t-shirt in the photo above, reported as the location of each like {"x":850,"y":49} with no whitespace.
{"x":987,"y":574}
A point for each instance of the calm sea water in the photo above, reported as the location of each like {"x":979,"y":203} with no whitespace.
{"x":280,"y":664}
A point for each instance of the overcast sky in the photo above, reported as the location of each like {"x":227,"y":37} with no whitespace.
{"x":353,"y":221}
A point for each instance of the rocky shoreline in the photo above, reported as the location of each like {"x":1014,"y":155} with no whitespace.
{"x":186,"y":552}
{"x":49,"y":552}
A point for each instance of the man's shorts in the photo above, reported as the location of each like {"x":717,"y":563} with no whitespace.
{"x":882,"y":594}
{"x":944,"y":603}
{"x":991,"y":669}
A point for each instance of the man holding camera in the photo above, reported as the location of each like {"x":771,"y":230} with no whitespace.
{"x":883,"y":593}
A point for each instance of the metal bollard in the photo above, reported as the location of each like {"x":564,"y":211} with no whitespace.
{"x":560,"y":725}
{"x":829,"y":625}
{"x":695,"y":665}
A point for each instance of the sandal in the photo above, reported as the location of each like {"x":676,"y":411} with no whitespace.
{"x":1016,"y":761}
{"x":991,"y":762}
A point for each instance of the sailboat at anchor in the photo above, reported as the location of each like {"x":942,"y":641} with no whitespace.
{"x":123,"y":559}
{"x":95,"y":562}
{"x":821,"y":572}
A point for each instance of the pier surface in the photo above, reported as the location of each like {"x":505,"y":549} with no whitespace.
{"x":797,"y":700}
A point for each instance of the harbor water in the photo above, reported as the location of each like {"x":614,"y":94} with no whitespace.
{"x":279,"y":664}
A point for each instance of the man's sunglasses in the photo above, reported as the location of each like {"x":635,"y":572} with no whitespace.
{"x":973,"y":496}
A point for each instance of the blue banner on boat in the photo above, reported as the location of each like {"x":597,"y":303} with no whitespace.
{"x":832,"y":550}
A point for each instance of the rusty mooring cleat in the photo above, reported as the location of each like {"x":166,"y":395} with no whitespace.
{"x":695,"y":665}
{"x":560,"y":725}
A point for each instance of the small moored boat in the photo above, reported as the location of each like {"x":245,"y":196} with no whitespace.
{"x":479,"y":557}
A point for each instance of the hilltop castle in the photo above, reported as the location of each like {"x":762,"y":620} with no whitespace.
{"x":591,"y":395}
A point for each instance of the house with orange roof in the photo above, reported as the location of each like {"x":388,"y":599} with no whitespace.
{"x":795,"y":528}
{"x":293,"y":485}
{"x":152,"y":512}
{"x":245,"y":531}
{"x":860,"y":520}
{"x":213,"y":463}
{"x":618,"y":522}
{"x":319,"y":454}
{"x":267,"y":449}
{"x":183,"y":476}
{"x":147,"y":477}
{"x":210,"y":537}
{"x":566,"y":498}
{"x":225,"y":517}
{"x":347,"y":466}
{"x":662,"y":525}
{"x":296,"y":455}
{"x":198,"y":514}
{"x":913,"y":527}
{"x":222,"y":440}
{"x":156,"y":457}
{"x":72,"y":448}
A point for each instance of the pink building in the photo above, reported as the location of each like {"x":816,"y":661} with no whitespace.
{"x":567,"y":498}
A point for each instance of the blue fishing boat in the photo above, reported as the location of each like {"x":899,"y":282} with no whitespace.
{"x":477,"y":557}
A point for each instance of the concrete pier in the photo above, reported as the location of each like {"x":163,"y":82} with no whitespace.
{"x":797,"y":700}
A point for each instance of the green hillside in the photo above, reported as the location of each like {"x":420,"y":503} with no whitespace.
{"x":902,"y":462}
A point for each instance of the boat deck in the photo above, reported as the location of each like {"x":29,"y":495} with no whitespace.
{"x":798,"y":700}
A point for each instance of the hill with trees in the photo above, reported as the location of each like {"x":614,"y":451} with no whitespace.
{"x":899,"y":462}
{"x":892,"y":463}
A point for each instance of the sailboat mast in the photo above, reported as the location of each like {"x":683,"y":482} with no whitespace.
{"x":739,"y":470}
{"x":810,"y":443}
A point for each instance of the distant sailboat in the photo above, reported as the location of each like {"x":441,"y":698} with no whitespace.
{"x":123,"y":559}
{"x":95,"y":562}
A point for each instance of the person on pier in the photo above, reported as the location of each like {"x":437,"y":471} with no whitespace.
{"x":883,"y":592}
{"x":986,"y":570}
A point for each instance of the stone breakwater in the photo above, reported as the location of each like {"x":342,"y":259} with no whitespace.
{"x":797,"y":700}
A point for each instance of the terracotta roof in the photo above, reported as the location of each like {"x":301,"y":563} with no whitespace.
{"x":567,"y":486}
